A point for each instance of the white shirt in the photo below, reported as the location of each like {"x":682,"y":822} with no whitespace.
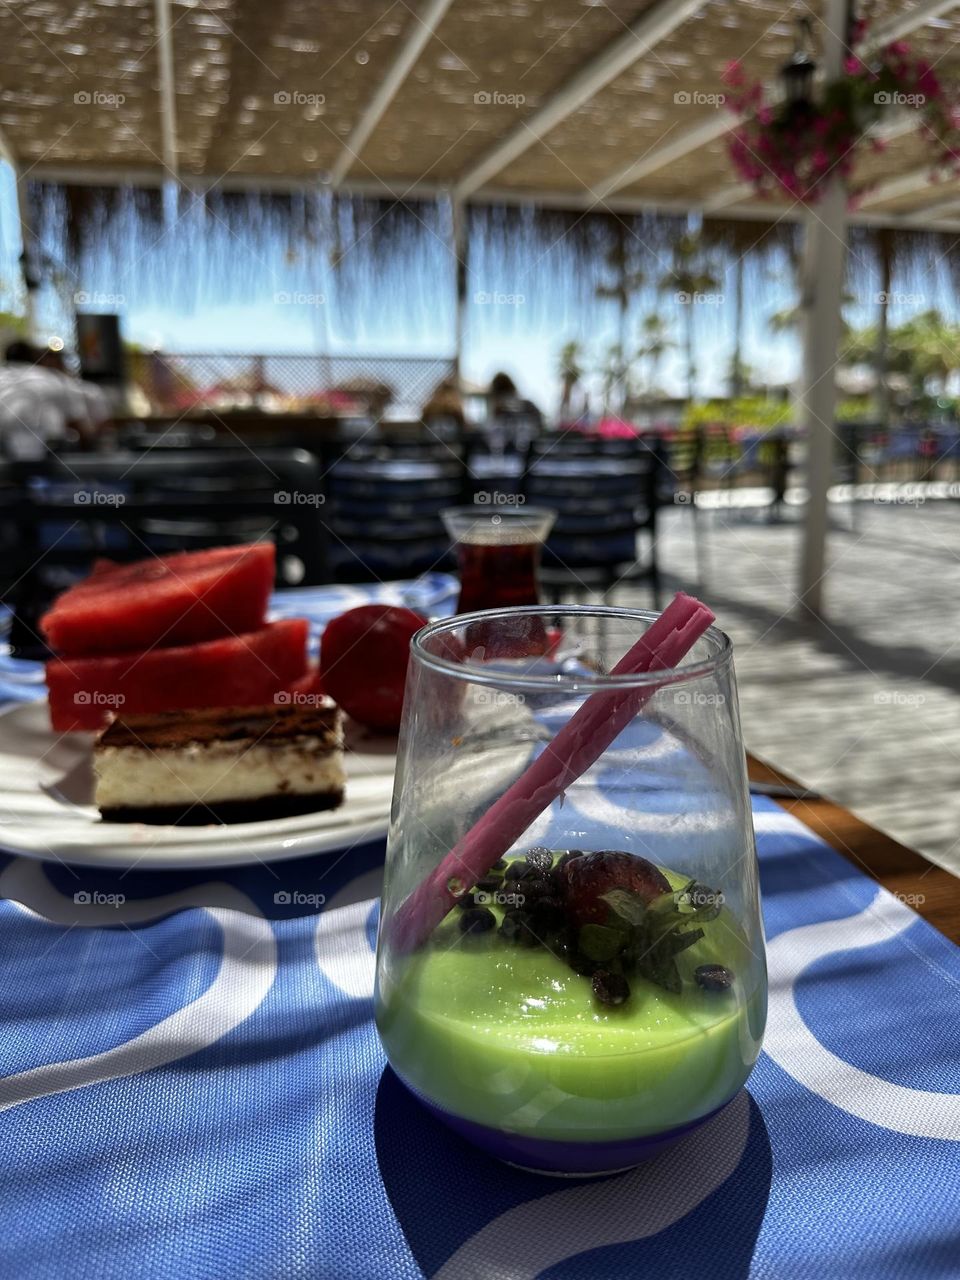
{"x":37,"y":405}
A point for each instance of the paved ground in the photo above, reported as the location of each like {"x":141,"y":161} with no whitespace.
{"x":865,"y":708}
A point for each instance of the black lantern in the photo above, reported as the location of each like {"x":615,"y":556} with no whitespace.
{"x":799,"y":73}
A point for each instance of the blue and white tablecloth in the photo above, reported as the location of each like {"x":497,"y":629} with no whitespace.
{"x":192,"y":1087}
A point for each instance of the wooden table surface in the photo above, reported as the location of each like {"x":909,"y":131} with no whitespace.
{"x":929,"y":890}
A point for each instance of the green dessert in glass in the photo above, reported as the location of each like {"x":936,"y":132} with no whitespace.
{"x":577,"y":998}
{"x":571,"y":1011}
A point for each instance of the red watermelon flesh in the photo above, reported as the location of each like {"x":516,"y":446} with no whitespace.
{"x":235,"y":671}
{"x":167,"y":600}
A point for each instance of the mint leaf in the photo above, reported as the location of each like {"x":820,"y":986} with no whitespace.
{"x":628,"y":906}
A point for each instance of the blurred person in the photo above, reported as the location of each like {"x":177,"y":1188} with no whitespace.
{"x":512,"y":421}
{"x":41,"y":404}
{"x":444,"y":409}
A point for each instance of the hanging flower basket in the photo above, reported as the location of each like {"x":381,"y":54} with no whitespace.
{"x":797,"y":145}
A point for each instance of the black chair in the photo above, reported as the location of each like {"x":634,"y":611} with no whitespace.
{"x":384,"y":510}
{"x":605,"y":493}
{"x":69,"y":511}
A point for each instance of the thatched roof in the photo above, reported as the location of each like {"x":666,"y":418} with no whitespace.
{"x":573,"y":103}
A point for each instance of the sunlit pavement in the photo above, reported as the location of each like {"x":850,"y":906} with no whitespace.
{"x":865,"y":707}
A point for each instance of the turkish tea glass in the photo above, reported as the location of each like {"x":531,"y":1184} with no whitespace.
{"x":498,"y":551}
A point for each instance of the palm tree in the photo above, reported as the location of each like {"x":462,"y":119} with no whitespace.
{"x":614,"y":372}
{"x":689,"y":277}
{"x":627,"y":279}
{"x":570,"y":369}
{"x":655,"y":344}
{"x":924,"y":349}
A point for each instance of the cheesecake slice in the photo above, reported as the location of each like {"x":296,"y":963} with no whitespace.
{"x":219,"y":765}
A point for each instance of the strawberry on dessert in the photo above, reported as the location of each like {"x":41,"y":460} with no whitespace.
{"x":589,"y":876}
{"x":234,"y":671}
{"x":164,"y":600}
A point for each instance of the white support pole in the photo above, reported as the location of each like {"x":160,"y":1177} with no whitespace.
{"x":824,"y":257}
{"x":458,"y":233}
{"x":26,"y":235}
{"x":168,"y":103}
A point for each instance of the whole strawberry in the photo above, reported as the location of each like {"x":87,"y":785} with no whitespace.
{"x":589,"y":876}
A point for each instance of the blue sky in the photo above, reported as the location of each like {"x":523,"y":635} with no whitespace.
{"x":200,"y":289}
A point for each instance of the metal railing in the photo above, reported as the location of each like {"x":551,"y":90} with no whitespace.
{"x":178,"y":382}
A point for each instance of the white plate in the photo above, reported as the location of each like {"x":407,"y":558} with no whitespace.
{"x":46,"y":809}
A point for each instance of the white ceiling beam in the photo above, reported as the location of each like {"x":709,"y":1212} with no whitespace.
{"x":642,"y":35}
{"x":422,"y":27}
{"x":168,"y":101}
{"x":723,"y":122}
{"x":945,"y":208}
{"x":897,"y":27}
{"x":904,"y":184}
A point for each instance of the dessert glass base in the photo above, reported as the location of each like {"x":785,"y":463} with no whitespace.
{"x":553,"y":1159}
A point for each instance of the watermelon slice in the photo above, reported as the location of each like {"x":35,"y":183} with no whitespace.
{"x":167,"y":600}
{"x":236,"y":671}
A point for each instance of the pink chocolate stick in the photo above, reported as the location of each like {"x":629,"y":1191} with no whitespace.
{"x":581,"y":741}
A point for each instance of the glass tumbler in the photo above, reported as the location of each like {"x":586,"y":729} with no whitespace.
{"x":597,"y":987}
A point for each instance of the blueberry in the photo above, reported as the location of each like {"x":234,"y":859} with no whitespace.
{"x":566,"y":857}
{"x":610,"y":988}
{"x":499,"y":865}
{"x":714,"y":977}
{"x":467,"y":901}
{"x":489,"y":884}
{"x":548,"y":913}
{"x":535,"y":885}
{"x":477,"y":920}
